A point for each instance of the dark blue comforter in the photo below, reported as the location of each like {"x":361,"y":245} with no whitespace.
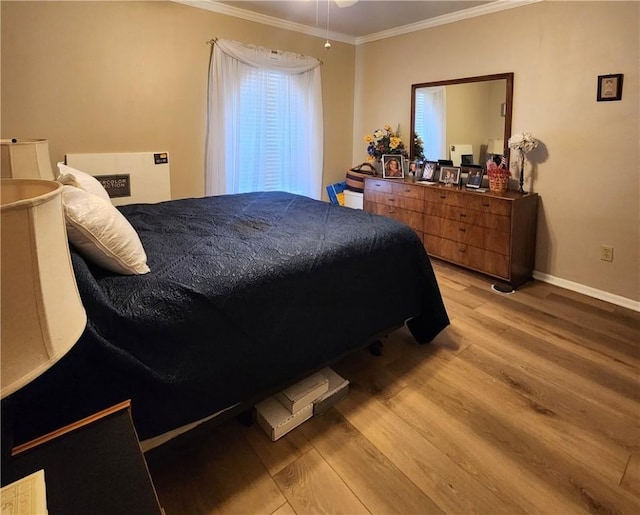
{"x":246,"y":293}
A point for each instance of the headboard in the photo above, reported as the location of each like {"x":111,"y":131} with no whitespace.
{"x":129,"y":178}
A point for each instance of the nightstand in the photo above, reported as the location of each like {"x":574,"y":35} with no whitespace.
{"x":93,"y":466}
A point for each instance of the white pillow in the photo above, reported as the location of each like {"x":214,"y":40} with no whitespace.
{"x":73,"y":177}
{"x":101,"y":233}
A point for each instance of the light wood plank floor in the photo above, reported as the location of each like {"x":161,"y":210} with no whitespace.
{"x":527,"y":403}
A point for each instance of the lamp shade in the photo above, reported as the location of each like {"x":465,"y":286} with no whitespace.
{"x":26,"y":159}
{"x":496,"y":146}
{"x":42,"y":314}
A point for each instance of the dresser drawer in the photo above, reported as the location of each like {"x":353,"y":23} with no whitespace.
{"x":408,"y":190}
{"x":446,"y":197}
{"x":392,"y":200}
{"x":482,"y":260}
{"x":474,"y":235}
{"x":371,"y":185}
{"x":487,"y":204}
{"x":471,"y":216}
{"x":413,"y":219}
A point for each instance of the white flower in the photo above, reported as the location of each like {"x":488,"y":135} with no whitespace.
{"x":524,"y":142}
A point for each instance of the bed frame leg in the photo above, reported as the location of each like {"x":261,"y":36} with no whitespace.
{"x":375,"y":348}
{"x":246,"y":418}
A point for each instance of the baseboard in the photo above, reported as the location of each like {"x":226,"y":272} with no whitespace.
{"x":587,"y":290}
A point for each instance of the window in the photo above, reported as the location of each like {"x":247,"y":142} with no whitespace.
{"x":271,"y":136}
{"x":265,"y":127}
{"x":430,"y":123}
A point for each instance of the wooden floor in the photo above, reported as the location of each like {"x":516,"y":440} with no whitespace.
{"x":527,"y":403}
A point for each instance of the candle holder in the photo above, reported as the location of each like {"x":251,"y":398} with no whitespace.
{"x":521,"y":188}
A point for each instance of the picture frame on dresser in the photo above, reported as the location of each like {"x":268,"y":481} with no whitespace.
{"x":392,"y":166}
{"x":429,"y":171}
{"x":474,"y":177}
{"x":450,"y":174}
{"x":415,"y":168}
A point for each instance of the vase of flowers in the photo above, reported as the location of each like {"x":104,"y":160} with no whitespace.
{"x":498,"y":175}
{"x":381,"y":142}
{"x":522,"y":143}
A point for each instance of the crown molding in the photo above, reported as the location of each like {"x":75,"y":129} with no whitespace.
{"x":474,"y":12}
{"x":212,"y":5}
{"x":481,"y":10}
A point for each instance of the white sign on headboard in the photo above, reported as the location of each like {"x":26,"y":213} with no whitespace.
{"x":459,"y":150}
{"x":130,"y":177}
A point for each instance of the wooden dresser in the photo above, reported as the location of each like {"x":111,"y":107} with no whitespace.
{"x":493,"y":233}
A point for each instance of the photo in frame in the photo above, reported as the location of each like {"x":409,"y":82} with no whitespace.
{"x":450,"y":174}
{"x":392,"y":166}
{"x":474,"y":177}
{"x":415,"y":169}
{"x":610,"y":87}
{"x":429,"y":171}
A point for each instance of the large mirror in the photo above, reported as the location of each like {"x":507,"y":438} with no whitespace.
{"x":467,"y":121}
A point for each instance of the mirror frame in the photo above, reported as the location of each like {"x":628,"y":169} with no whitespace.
{"x":481,"y":78}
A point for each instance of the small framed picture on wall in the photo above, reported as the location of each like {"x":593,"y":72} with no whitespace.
{"x":610,"y":87}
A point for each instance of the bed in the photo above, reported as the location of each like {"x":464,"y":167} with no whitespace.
{"x":247,"y":293}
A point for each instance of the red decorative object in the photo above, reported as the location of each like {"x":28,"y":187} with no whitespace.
{"x":498,"y":176}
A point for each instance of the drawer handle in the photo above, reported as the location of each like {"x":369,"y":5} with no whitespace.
{"x":463,"y":215}
{"x":391,"y":209}
{"x":391,"y":199}
{"x":486,"y":205}
{"x":406,"y":188}
{"x":378,"y":185}
{"x":443,"y":196}
{"x":462,"y":250}
{"x":462,"y":229}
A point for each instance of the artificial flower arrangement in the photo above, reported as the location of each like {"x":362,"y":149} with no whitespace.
{"x":384,"y":141}
{"x":524,"y":142}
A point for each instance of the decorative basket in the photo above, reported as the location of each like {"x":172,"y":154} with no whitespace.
{"x":356,"y":175}
{"x":498,"y":182}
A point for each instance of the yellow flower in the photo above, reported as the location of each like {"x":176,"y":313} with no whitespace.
{"x":384,"y":141}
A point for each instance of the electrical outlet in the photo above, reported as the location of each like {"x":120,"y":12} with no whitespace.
{"x":606,"y":253}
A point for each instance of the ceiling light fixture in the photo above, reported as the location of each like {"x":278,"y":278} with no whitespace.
{"x":339,"y":3}
{"x":327,"y":44}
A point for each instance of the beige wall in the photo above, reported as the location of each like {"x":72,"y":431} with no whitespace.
{"x":586,"y":171}
{"x":132,"y":76}
{"x":469,"y":116}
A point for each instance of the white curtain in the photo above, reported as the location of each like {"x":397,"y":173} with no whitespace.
{"x":431,"y":121}
{"x":265,"y":122}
